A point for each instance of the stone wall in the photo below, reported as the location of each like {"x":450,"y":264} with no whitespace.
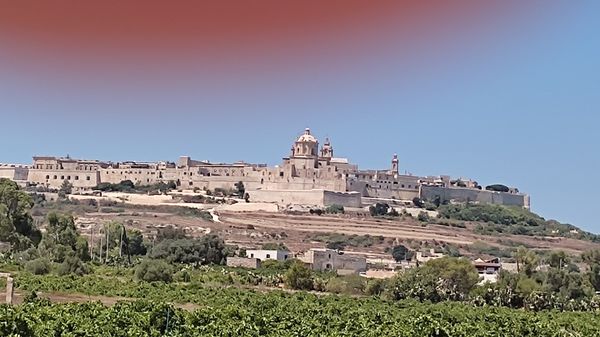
{"x":346,"y":199}
{"x":14,"y":172}
{"x":243,"y":262}
{"x":328,"y":259}
{"x":318,"y":198}
{"x":55,"y":178}
{"x":459,"y":194}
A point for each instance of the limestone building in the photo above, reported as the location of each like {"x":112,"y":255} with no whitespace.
{"x":310,"y":174}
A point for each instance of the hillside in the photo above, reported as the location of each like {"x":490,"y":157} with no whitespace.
{"x":469,"y":230}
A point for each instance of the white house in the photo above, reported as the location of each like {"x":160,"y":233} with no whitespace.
{"x":264,"y":254}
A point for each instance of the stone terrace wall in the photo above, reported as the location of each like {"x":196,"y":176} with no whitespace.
{"x":465,"y":194}
{"x":243,"y":262}
{"x":346,"y":199}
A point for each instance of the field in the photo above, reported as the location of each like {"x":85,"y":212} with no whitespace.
{"x":199,"y":309}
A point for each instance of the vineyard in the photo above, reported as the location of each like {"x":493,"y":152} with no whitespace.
{"x":223,"y":310}
{"x":278,"y":314}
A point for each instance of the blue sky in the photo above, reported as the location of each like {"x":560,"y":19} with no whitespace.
{"x":514,"y":100}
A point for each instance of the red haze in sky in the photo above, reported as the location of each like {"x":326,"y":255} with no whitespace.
{"x":218,"y":31}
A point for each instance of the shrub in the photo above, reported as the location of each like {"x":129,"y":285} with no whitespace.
{"x":375,"y":287}
{"x":40,"y":266}
{"x":299,"y":277}
{"x":349,"y":285}
{"x":423,"y":216}
{"x":72,"y":265}
{"x":379,"y":209}
{"x":334,"y":209}
{"x":154,"y":270}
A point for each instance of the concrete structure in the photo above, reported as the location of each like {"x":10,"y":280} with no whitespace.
{"x":265,"y":254}
{"x":243,"y":262}
{"x":422,"y":257}
{"x":322,"y":259}
{"x":309,"y":175}
{"x":488,"y":270}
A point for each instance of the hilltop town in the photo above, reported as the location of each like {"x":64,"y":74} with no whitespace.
{"x":310,"y":175}
{"x":313,"y":204}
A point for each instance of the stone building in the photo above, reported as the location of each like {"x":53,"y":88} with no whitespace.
{"x":51,"y":172}
{"x":16,"y":172}
{"x":311,"y":174}
{"x":269,"y":254}
{"x":322,"y":259}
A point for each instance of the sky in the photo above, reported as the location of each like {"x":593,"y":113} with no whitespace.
{"x":497,"y":91}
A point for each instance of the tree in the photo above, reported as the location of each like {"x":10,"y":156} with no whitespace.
{"x":558,"y":259}
{"x":400,"y":253}
{"x":154,"y":270}
{"x":299,"y":277}
{"x":16,"y":223}
{"x":458,"y":274}
{"x":72,"y":265}
{"x":379,"y":209}
{"x":418,"y":202}
{"x":527,"y":261}
{"x":61,"y":239}
{"x":65,"y":189}
{"x":592,"y":259}
{"x":39,"y":266}
{"x":136,"y":244}
{"x":440,"y":279}
{"x":241,"y":190}
{"x":497,"y":188}
{"x":209,"y":249}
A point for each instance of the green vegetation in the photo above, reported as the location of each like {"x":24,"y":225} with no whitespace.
{"x":497,"y":219}
{"x":497,"y":188}
{"x":16,"y":223}
{"x":401,"y":253}
{"x":340,"y":241}
{"x":274,"y":246}
{"x":299,"y":277}
{"x":128,"y":186}
{"x":154,"y":270}
{"x":209,"y":249}
{"x":250,"y":314}
{"x":222,"y":308}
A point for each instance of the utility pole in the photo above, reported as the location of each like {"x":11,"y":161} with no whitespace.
{"x":92,"y":243}
{"x":107,"y":244}
{"x":100,"y":256}
{"x":121,"y":242}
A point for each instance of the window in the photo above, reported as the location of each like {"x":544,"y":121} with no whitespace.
{"x":76,"y":177}
{"x":285,"y":257}
{"x":62,"y":177}
{"x":268,"y":256}
{"x":330,"y":256}
{"x":47,"y":177}
{"x":252,"y":255}
{"x":87,"y":178}
{"x":55,"y":177}
{"x":281,"y":174}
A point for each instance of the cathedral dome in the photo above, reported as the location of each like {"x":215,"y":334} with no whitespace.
{"x":307,"y":137}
